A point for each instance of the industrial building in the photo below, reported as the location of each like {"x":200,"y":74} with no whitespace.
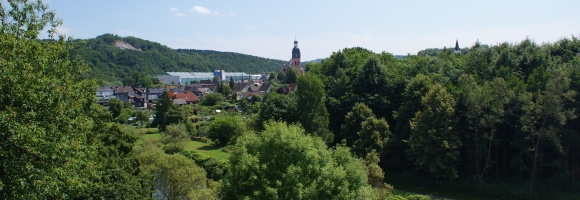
{"x":187,"y":77}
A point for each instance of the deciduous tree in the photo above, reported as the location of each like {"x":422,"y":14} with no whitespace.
{"x":313,"y":114}
{"x":433,"y":142}
{"x":285,"y":163}
{"x":225,"y":129}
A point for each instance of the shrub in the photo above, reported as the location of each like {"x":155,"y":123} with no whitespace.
{"x":174,"y":138}
{"x":225,"y":129}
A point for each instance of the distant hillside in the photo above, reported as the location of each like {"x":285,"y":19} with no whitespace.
{"x":113,"y":58}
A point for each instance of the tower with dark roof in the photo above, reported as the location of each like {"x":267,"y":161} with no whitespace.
{"x":456,"y":49}
{"x":294,"y":61}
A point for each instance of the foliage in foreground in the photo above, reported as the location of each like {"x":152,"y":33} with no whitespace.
{"x":55,"y":140}
{"x":285,"y":163}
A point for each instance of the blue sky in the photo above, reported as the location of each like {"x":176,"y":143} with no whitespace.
{"x":268,"y":28}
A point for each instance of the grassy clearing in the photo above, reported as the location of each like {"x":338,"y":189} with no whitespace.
{"x":207,"y":149}
{"x":152,"y":137}
{"x":203,"y":148}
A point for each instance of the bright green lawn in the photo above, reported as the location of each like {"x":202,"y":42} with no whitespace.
{"x":152,"y":137}
{"x":205,"y":149}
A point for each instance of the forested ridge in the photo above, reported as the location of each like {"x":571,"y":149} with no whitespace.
{"x":113,"y":64}
{"x":491,"y":120}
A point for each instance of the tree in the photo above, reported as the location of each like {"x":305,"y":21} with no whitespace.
{"x":244,"y":106}
{"x":272,"y":76}
{"x":226,"y":90}
{"x":120,"y":174}
{"x":433,"y":145}
{"x":291,"y":76}
{"x":161,"y":109}
{"x":216,"y":79}
{"x":225,"y":129}
{"x":544,"y":114}
{"x":142,"y":116}
{"x":175,"y":115}
{"x":353,"y":123}
{"x":173,"y":176}
{"x":485,"y":106}
{"x":256,"y":98}
{"x":115,"y":107}
{"x":375,"y":174}
{"x":212,"y":99}
{"x":52,"y":145}
{"x":126,"y":113}
{"x":277,"y":107}
{"x":313,"y":114}
{"x":370,"y":85}
{"x":373,"y":136}
{"x":415,"y":89}
{"x":281,"y":76}
{"x":232,"y":84}
{"x":285,"y":163}
{"x":174,"y":138}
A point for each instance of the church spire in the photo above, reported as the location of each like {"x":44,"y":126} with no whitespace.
{"x":456,"y":49}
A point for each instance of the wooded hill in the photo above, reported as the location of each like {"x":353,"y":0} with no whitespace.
{"x":113,"y":58}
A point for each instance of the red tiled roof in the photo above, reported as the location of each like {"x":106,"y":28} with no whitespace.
{"x":188,"y":96}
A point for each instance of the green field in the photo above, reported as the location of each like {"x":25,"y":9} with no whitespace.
{"x":207,"y":149}
{"x":203,"y":148}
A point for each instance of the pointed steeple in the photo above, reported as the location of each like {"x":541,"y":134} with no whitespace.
{"x":456,"y":49}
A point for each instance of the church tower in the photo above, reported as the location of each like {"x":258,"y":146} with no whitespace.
{"x":295,"y":61}
{"x":456,"y":49}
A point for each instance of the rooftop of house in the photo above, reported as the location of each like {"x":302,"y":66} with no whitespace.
{"x":188,"y":96}
{"x":123,"y":89}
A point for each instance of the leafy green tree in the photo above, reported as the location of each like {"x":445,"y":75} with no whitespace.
{"x":373,"y":136}
{"x":485,"y":105}
{"x":281,"y":76}
{"x":433,"y":142}
{"x":244,"y":106}
{"x":226,"y":90}
{"x":120,"y":175}
{"x":277,"y":107}
{"x":256,"y":98}
{"x":232,"y":84}
{"x":285,"y":163}
{"x":375,"y":174}
{"x":225,"y":129}
{"x":172,"y":176}
{"x":353,"y":123}
{"x":142,"y":116}
{"x":175,"y":115}
{"x":212,"y":99}
{"x":414,"y":91}
{"x":115,"y":107}
{"x":162,"y":107}
{"x":313,"y":114}
{"x":544,"y":114}
{"x":216,"y":79}
{"x":370,"y":85}
{"x":126,"y":113}
{"x":174,"y":138}
{"x":272,"y":76}
{"x":291,"y":76}
{"x":52,"y":144}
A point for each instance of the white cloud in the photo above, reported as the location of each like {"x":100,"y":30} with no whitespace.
{"x":203,"y":10}
{"x":63,"y":30}
{"x":177,"y":12}
{"x":232,"y":14}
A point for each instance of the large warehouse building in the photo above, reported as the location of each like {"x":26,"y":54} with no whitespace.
{"x":187,"y":77}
